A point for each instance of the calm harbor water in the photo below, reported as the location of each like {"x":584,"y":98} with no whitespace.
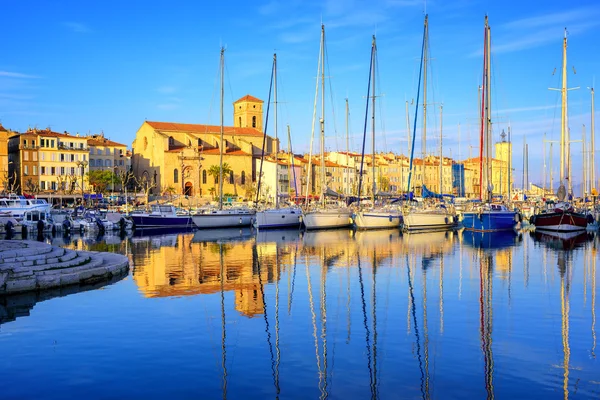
{"x":335,"y":314}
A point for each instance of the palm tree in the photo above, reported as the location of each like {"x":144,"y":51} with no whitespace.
{"x":215,"y":171}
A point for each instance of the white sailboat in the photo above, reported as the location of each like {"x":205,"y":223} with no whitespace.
{"x":277,"y":217}
{"x":223,"y":218}
{"x":375,"y":216}
{"x":427,"y":217}
{"x":324,"y":216}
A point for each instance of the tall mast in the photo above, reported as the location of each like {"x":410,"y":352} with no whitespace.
{"x":563,"y":113}
{"x":221,"y":132}
{"x":409,"y":144}
{"x":425,"y":53}
{"x":488,"y":112}
{"x":593,"y":149}
{"x":276,"y":138}
{"x":323,"y":115}
{"x":347,"y":149}
{"x":483,"y":108}
{"x":584,"y":163}
{"x":373,"y":121}
{"x":441,"y":155}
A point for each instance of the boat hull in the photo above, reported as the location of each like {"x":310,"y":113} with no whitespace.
{"x":157,"y":221}
{"x":414,"y":221}
{"x":225,"y":219}
{"x":278,"y":218}
{"x":326,"y":219}
{"x":377,"y":219}
{"x":489,"y":221}
{"x":566,"y":221}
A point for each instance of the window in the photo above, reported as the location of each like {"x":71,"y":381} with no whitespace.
{"x":231,"y":177}
{"x":72,"y":170}
{"x":43,"y":170}
{"x":52,"y":170}
{"x":175,"y":176}
{"x":107,"y":163}
{"x":204,"y":177}
{"x":92,"y":161}
{"x":99,"y":152}
{"x":62,"y":157}
{"x":254,"y":121}
{"x":72,"y":157}
{"x":34,"y":156}
{"x":53,"y":185}
{"x":26,"y":155}
{"x":34,"y":170}
{"x":171,"y":141}
{"x":43,"y":185}
{"x":240,"y":121}
{"x":62,"y":170}
{"x":52,"y":143}
{"x":108,"y":152}
{"x":43,"y":156}
{"x":42,"y":143}
{"x":26,"y":170}
{"x":243,"y":177}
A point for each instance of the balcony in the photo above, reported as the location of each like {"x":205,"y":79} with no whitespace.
{"x":27,"y":147}
{"x":63,"y":146}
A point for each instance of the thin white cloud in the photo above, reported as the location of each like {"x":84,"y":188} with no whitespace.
{"x":77,"y":27}
{"x":554,"y":19}
{"x":9,"y":74}
{"x":167,"y":106}
{"x":167,"y":89}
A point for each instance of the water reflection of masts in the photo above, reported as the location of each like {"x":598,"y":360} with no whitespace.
{"x":486,"y":317}
{"x":291,"y":289}
{"x":366,"y":324}
{"x":442,"y":294}
{"x":414,"y":315}
{"x":274,"y":362}
{"x":223,"y":333}
{"x":311,"y":303}
{"x":425,"y":332}
{"x":324,"y":267}
{"x":565,"y":288}
{"x":594,"y":256}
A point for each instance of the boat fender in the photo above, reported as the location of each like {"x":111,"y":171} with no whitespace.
{"x":590,"y":219}
{"x":390,"y":217}
{"x":53,"y":230}
{"x":40,"y":226}
{"x":24,"y":230}
{"x":8,"y":227}
{"x":122,"y":224}
{"x":481,"y":216}
{"x":446,"y":220}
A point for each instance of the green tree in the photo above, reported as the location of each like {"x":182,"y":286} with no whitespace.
{"x":102,"y":180}
{"x":215,"y":171}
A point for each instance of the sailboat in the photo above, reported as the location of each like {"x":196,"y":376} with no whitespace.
{"x":562,"y":216}
{"x":324,"y":216}
{"x":277,"y":217}
{"x":488,"y":217}
{"x":423,"y":217}
{"x":223,"y":218}
{"x":382,"y":216}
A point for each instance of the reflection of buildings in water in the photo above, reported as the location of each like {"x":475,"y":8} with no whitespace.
{"x":189,"y":268}
{"x":384,"y":243}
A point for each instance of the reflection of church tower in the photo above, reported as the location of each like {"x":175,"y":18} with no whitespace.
{"x":248,"y":113}
{"x":249,"y":301}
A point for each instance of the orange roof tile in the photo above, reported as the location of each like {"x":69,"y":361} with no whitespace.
{"x":200,"y":128}
{"x":248,"y":98}
{"x":104,"y":142}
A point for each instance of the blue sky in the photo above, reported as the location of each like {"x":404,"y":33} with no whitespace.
{"x":107,"y":66}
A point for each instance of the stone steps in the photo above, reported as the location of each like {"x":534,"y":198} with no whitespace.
{"x":38,"y":266}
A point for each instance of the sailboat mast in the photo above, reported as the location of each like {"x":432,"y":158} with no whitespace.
{"x":373,"y":120}
{"x":563,"y":112}
{"x":276,"y":138}
{"x":221,"y":132}
{"x":482,"y":109}
{"x":488,"y":112}
{"x":441,"y":155}
{"x":323,"y":177}
{"x":424,"y":136}
{"x":347,"y":149}
{"x":593,"y":149}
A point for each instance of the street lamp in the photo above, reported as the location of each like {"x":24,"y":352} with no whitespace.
{"x":82,"y":165}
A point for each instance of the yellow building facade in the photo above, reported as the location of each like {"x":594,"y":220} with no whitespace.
{"x":182,"y":158}
{"x":4,"y":175}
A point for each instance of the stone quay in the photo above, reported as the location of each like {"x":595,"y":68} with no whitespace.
{"x":35,"y":266}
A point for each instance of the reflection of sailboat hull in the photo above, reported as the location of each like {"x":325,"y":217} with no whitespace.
{"x":561,"y":240}
{"x":327,"y":218}
{"x":324,"y":237}
{"x":278,"y":236}
{"x":489,"y":221}
{"x":214,"y":235}
{"x":489,"y":240}
{"x":278,"y":218}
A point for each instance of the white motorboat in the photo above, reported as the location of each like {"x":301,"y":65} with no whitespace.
{"x":18,"y":205}
{"x":223,"y":218}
